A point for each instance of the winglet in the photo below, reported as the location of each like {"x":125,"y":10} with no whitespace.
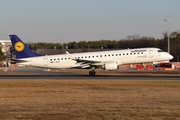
{"x":67,"y":52}
{"x":72,"y":58}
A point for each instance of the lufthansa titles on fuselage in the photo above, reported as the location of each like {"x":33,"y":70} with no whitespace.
{"x":138,"y":50}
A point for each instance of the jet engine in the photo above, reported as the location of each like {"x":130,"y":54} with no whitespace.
{"x":110,"y":65}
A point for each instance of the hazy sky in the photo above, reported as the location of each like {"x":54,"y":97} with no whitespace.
{"x":78,"y":20}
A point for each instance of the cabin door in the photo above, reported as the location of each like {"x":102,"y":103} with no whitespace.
{"x":45,"y":61}
{"x":151,"y":53}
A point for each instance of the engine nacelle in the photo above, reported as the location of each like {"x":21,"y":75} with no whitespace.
{"x":110,"y":65}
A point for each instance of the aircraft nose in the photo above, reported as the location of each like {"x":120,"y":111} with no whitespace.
{"x":170,"y":56}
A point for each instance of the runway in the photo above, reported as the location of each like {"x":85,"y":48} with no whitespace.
{"x":86,"y":77}
{"x":38,"y":73}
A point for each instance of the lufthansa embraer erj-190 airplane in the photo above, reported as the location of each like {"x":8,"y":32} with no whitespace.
{"x":108,"y":60}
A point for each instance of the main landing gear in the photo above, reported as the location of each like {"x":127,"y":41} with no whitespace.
{"x":92,"y":73}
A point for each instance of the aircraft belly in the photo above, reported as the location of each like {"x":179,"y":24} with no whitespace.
{"x":25,"y":63}
{"x":38,"y":63}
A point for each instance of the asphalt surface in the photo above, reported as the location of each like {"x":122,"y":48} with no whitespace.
{"x":86,"y":77}
{"x":39,"y":73}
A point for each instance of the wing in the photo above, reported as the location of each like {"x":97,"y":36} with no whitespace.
{"x":88,"y":63}
{"x":85,"y":63}
{"x":82,"y":63}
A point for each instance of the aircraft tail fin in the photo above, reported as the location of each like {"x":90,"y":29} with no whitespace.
{"x":21,"y":49}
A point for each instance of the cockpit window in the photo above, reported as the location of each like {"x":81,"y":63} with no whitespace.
{"x":160,"y":51}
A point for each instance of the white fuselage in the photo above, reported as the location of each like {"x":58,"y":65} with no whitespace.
{"x":126,"y":56}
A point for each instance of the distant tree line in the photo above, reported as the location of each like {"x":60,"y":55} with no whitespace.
{"x":133,"y":41}
{"x":2,"y":55}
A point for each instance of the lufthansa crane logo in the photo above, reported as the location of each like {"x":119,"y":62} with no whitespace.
{"x":19,"y":46}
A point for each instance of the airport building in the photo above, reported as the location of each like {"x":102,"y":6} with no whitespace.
{"x":5,"y":46}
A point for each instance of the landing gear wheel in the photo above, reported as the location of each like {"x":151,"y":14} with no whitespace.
{"x":92,"y":73}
